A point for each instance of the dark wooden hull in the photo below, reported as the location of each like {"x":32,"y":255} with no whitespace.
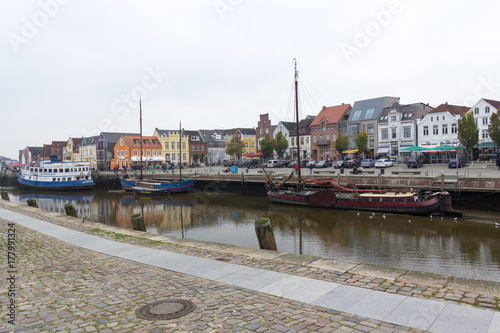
{"x":309,"y":198}
{"x":411,"y":205}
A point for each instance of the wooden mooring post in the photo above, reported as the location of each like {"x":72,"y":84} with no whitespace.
{"x":138,"y":222}
{"x":70,"y":209}
{"x":265,"y":236}
{"x":5,"y":196}
{"x":32,"y":202}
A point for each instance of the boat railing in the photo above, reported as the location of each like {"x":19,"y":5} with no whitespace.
{"x":95,"y":218}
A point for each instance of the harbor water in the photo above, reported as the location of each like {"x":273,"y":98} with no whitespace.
{"x":466,"y":247}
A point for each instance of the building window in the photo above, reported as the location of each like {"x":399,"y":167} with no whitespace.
{"x":485,"y":134}
{"x":334,"y":137}
{"x":192,"y":148}
{"x":246,"y":145}
{"x":126,"y":152}
{"x":370,"y":129}
{"x":372,"y":141}
{"x":407,"y":132}
{"x":302,"y":140}
{"x":159,"y":152}
{"x":167,"y":146}
{"x":485,"y":121}
{"x":307,"y":140}
{"x":393,"y":118}
{"x":454,"y":128}
{"x":437,"y":118}
{"x":184,"y":157}
{"x":314,"y":138}
{"x":385,"y":134}
{"x":356,"y":115}
{"x":369,"y":113}
{"x":267,"y":130}
{"x":202,"y":148}
{"x":293,"y":141}
{"x":148,"y":152}
{"x":324,"y":127}
{"x":393,"y":133}
{"x":444,"y":129}
{"x":121,"y":142}
{"x":327,"y":138}
{"x":487,"y":109}
{"x":197,"y":148}
{"x":154,"y":152}
{"x":135,"y":152}
{"x":435,"y":130}
{"x":253,"y":145}
{"x":184,"y":146}
{"x":167,"y":157}
{"x":260,"y":131}
{"x":476,"y":110}
{"x":426,"y":130}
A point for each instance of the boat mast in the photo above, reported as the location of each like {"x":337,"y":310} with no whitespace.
{"x":180,"y":151}
{"x":297,"y":115}
{"x":140,"y":121}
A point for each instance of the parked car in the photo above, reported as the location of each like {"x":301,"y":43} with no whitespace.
{"x":228,"y":163}
{"x":272,"y":163}
{"x":283,"y":164}
{"x":383,"y":163}
{"x":456,"y":163}
{"x":323,"y":164}
{"x":303,"y":163}
{"x":368,"y":163}
{"x":292,"y":164}
{"x":339,"y":164}
{"x":351,"y":163}
{"x":253,"y":163}
{"x":414,"y":163}
{"x":311,"y":164}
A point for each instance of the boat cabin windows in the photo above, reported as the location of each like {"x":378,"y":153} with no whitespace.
{"x":66,"y":170}
{"x":60,"y":170}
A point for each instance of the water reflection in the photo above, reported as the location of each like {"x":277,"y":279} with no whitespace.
{"x":468,"y":247}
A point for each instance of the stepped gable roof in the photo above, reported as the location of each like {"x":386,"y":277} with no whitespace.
{"x":453,"y":109}
{"x":147,"y":141}
{"x":495,"y":104}
{"x":163,"y":132}
{"x":332,"y":113}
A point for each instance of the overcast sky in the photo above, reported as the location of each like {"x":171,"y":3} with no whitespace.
{"x":76,"y":68}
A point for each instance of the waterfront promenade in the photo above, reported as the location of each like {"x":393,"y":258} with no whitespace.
{"x":71,"y":276}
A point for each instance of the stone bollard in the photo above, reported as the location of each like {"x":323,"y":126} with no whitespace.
{"x":5,"y":196}
{"x":265,"y":236}
{"x":70,"y":209}
{"x":138,"y":222}
{"x":32,"y":202}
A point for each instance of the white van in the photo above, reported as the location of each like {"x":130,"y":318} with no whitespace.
{"x":272,"y":163}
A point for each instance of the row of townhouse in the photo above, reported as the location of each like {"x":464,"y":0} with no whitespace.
{"x":390,"y":126}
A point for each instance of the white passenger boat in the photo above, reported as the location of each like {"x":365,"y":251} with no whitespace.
{"x":52,"y":174}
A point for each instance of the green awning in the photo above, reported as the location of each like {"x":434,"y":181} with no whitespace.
{"x":414,"y":148}
{"x":488,"y":145}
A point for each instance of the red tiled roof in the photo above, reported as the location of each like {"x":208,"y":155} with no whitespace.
{"x":332,"y":113}
{"x":129,"y":141}
{"x":453,"y":109}
{"x":495,"y":104}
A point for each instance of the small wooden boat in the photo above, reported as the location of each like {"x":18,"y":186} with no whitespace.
{"x":150,"y":191}
{"x":174,"y":186}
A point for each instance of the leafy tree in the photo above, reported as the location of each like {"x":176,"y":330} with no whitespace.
{"x":342,"y":143}
{"x":468,"y":132}
{"x":195,"y":157}
{"x":280,"y":144}
{"x":362,"y":142}
{"x":266,"y":146}
{"x":494,"y":127}
{"x":235,"y":146}
{"x":202,"y":158}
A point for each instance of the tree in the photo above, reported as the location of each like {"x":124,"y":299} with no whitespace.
{"x":280,"y":144}
{"x":235,"y":146}
{"x":266,"y":146}
{"x":468,"y":132}
{"x":342,"y":143}
{"x":195,"y":157}
{"x":494,"y":127}
{"x":362,"y":142}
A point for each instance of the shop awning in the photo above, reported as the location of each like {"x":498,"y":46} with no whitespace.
{"x":383,"y":150}
{"x":414,"y":148}
{"x":488,"y":145}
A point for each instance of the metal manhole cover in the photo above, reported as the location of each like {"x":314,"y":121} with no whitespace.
{"x":166,"y":309}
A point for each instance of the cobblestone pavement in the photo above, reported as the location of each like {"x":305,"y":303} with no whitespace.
{"x":65,"y":288}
